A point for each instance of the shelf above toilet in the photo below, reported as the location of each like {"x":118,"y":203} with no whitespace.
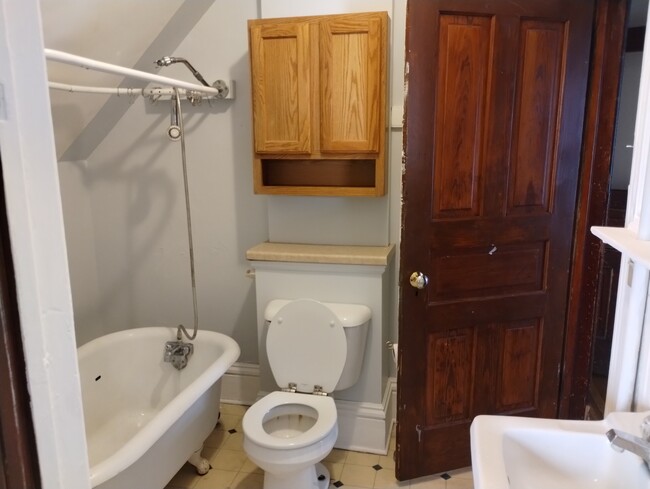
{"x":310,"y":253}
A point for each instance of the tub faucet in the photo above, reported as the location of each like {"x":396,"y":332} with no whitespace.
{"x":178,"y":353}
{"x":621,"y":441}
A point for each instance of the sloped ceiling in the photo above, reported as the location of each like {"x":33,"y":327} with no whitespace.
{"x":123,"y":32}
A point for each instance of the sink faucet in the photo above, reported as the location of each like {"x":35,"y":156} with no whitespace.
{"x":621,"y":441}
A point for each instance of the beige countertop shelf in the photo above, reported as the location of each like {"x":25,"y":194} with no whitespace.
{"x":333,"y":254}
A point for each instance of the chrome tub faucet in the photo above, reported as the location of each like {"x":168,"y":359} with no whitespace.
{"x":178,"y":353}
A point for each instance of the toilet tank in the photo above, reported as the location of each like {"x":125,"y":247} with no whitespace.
{"x":355,"y":319}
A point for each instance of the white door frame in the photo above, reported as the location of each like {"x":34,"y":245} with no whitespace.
{"x":38,"y":249}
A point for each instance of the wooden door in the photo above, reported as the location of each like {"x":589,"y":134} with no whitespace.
{"x":352,"y":61}
{"x":495,"y":108}
{"x":19,"y":467}
{"x":282,"y":91}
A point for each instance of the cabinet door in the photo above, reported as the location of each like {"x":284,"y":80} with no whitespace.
{"x":281,"y":80}
{"x":352,"y":61}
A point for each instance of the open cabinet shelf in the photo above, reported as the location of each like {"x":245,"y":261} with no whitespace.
{"x":344,"y":177}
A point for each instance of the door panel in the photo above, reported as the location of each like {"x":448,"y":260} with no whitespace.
{"x":518,"y":378}
{"x":496,"y":94}
{"x":536,"y":116}
{"x":454,"y":276}
{"x":462,"y":82}
{"x":449,"y":375}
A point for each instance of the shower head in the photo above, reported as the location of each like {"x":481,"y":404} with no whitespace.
{"x":170,"y":60}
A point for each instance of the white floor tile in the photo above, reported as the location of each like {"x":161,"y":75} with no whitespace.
{"x":358,"y":475}
{"x":248,"y":481}
{"x":231,"y":460}
{"x":358,"y":458}
{"x":428,"y":482}
{"x":216,"y":479}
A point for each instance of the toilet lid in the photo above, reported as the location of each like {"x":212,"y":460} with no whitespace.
{"x":306,"y":345}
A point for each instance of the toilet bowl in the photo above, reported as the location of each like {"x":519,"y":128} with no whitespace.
{"x":310,"y":346}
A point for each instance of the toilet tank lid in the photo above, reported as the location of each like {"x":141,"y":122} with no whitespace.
{"x":349,"y":314}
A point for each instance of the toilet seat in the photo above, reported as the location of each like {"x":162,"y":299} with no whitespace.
{"x":306,"y":346}
{"x":254,"y":418}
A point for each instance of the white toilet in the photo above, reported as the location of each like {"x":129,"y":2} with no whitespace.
{"x":313,"y":349}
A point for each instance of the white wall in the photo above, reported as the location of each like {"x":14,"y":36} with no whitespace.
{"x":80,"y":231}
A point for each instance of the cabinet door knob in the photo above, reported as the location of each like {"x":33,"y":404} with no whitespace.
{"x":418,"y":280}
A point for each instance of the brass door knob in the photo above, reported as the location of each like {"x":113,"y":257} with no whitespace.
{"x":418,"y":280}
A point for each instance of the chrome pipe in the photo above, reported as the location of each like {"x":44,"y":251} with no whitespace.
{"x":170,"y":60}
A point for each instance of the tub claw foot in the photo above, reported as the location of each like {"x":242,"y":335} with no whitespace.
{"x":201,"y":464}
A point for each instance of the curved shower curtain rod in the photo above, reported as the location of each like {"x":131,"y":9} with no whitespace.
{"x":72,"y":59}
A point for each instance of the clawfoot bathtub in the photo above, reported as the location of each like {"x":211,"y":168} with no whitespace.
{"x":144,"y":419}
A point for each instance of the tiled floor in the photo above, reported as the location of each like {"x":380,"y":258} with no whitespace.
{"x":231,"y":469}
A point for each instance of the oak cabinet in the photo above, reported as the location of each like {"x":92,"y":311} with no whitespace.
{"x":319,"y":104}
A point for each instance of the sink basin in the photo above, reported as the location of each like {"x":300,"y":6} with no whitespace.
{"x":527,"y":453}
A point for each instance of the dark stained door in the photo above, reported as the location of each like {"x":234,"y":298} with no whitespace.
{"x":18,"y":459}
{"x":495,"y":108}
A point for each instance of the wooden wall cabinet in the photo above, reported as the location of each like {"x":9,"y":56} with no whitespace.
{"x":319,"y":104}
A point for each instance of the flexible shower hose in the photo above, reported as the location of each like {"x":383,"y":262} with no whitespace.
{"x":181,"y":328}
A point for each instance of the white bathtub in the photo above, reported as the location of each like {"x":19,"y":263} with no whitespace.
{"x":143,"y":417}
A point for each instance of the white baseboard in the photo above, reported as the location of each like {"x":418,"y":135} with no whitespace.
{"x":366,"y":427}
{"x":240,"y":384}
{"x":363,"y":426}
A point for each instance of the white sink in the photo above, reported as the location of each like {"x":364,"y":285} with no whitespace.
{"x":526,"y":453}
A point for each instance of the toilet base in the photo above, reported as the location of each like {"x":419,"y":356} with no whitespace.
{"x":313,"y":477}
{"x":322,"y":476}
